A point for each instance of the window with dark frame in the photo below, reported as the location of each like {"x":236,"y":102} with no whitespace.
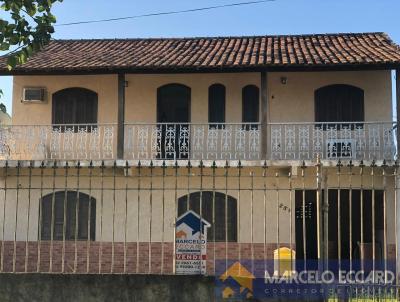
{"x":75,"y":106}
{"x":216,"y":105}
{"x":251,"y":106}
{"x":72,"y":205}
{"x":339,"y":103}
{"x":225,"y":225}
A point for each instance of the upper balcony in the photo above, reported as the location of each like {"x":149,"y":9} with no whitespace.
{"x":216,"y":141}
{"x":202,"y":99}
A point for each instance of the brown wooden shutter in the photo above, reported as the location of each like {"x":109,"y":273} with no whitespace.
{"x":75,"y":106}
{"x":250,"y":105}
{"x":216,"y":103}
{"x":339,"y":103}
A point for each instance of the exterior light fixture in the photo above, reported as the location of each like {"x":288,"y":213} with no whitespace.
{"x":283,"y":80}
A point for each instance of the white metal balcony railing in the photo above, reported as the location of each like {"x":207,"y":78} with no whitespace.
{"x":229,"y":141}
{"x":366,"y":140}
{"x":34,"y":142}
{"x":193,"y":141}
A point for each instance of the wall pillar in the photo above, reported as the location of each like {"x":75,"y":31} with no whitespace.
{"x":264,"y":115}
{"x":121,"y":116}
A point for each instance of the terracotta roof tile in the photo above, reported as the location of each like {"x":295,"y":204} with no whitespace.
{"x":152,"y":55}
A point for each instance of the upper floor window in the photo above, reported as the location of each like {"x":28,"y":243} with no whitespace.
{"x":216,"y":104}
{"x":339,"y":103}
{"x":60,"y":212}
{"x":250,"y":104}
{"x":75,"y":106}
{"x":213,"y":205}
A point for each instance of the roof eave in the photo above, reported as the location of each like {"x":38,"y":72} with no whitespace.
{"x":224,"y":69}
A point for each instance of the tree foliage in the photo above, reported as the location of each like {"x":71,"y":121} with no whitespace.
{"x":28,"y":28}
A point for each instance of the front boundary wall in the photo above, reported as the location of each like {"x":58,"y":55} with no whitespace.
{"x":99,"y":288}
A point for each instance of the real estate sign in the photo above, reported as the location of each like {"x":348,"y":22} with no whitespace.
{"x":191,"y":244}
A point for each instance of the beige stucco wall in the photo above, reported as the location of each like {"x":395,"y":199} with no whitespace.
{"x":291,"y":102}
{"x":40,"y":114}
{"x":295,"y":100}
{"x":141,"y":94}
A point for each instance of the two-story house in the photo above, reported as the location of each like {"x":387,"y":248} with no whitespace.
{"x":279,"y":142}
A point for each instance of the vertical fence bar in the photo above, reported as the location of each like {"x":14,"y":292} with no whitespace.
{"x":325,"y":211}
{"x":214,"y":166}
{"x":384,"y":218}
{"x":251,"y":219}
{"x":320,"y":214}
{"x":89,"y":219}
{"x":176,"y":167}
{"x":52,"y":215}
{"x":28,"y":216}
{"x":239,"y":167}
{"x":277,"y":222}
{"x":126,"y":213}
{"x":373,"y":218}
{"x":201,"y":166}
{"x":351,"y":214}
{"x":163,"y":213}
{"x":304,"y":216}
{"x":291,"y":211}
{"x":38,"y":262}
{"x":16,"y":216}
{"x":265,"y":213}
{"x":396,"y":232}
{"x":189,"y":167}
{"x":139,"y":168}
{"x":102,"y":167}
{"x":226,"y":174}
{"x":77,"y":205}
{"x":4,"y":216}
{"x":339,"y":229}
{"x":114,"y":176}
{"x":65,"y":200}
{"x":151,"y":214}
{"x":362,"y":214}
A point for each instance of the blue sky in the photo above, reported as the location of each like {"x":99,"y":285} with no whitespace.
{"x":278,"y":17}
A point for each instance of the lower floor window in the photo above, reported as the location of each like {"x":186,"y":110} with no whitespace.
{"x":68,"y":215}
{"x":218,"y":209}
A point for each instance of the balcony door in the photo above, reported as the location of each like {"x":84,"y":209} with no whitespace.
{"x":339,"y":111}
{"x":173,"y":116}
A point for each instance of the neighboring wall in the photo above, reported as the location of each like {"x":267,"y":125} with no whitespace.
{"x":291,"y":102}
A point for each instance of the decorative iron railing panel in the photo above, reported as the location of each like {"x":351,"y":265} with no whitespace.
{"x":193,"y":141}
{"x":69,"y":142}
{"x":361,"y":141}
